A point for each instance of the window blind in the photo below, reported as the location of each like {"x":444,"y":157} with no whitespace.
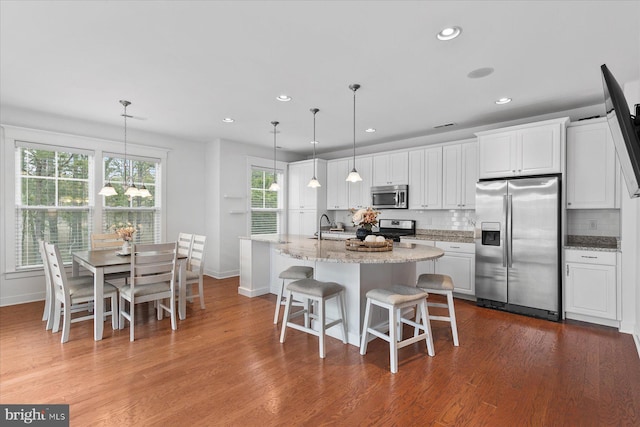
{"x":266,"y":205}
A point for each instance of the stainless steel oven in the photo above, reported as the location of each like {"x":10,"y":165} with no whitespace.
{"x":390,"y":197}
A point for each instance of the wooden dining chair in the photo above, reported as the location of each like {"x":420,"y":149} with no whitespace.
{"x":185,"y":241}
{"x":152,"y":278}
{"x":105,"y":241}
{"x":69,"y":294}
{"x":49,"y":295}
{"x":109,"y":241}
{"x":195,"y":269}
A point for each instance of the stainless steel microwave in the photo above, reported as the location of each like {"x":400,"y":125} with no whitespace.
{"x":390,"y":197}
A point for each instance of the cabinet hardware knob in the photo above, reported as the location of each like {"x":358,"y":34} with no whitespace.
{"x":569,"y":203}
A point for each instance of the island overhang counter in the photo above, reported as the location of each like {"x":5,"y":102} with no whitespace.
{"x":262,"y":258}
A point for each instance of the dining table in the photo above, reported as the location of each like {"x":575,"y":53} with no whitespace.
{"x":104,"y":262}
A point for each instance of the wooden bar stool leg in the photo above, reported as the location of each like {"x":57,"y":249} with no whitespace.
{"x":393,"y":339}
{"x":365,"y":328}
{"x":343,"y":312}
{"x":452,"y":318}
{"x":321,"y":326}
{"x":285,"y":319}
{"x":278,"y":304}
{"x":427,"y":327}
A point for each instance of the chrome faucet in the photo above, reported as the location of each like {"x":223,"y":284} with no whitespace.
{"x":320,"y":225}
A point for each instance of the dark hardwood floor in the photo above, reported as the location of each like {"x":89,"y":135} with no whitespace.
{"x":225,"y":366}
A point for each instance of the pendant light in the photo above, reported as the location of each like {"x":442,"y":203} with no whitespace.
{"x":314,"y":183}
{"x":108,"y":189}
{"x":354,"y":176}
{"x":274,"y":185}
{"x":131,"y":189}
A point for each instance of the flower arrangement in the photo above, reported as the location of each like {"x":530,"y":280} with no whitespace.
{"x":125,"y":232}
{"x":365,"y":218}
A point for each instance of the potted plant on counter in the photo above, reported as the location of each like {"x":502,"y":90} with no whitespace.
{"x":365,"y":220}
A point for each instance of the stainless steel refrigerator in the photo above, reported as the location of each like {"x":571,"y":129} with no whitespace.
{"x":518,"y":249}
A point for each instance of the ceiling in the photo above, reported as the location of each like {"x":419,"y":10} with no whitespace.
{"x":186,"y":65}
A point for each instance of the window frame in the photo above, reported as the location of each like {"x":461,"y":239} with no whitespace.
{"x":11,"y":135}
{"x":267,"y":166}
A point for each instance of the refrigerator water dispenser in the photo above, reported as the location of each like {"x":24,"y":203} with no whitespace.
{"x":490,"y":233}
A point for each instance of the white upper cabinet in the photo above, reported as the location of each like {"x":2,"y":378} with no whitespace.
{"x":337,"y":186}
{"x":391,"y":168}
{"x":591,"y":166}
{"x":360,"y":192}
{"x":531,"y":149}
{"x":425,"y":178}
{"x":460,"y":174}
{"x":300,"y":195}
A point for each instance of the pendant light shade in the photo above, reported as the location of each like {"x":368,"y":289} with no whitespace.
{"x":108,"y":190}
{"x":314,"y":183}
{"x":274,"y":185}
{"x":354,"y":176}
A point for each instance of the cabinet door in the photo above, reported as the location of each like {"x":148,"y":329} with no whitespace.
{"x":417,"y":180}
{"x":295,"y":181}
{"x":497,"y":154}
{"x":590,"y":167}
{"x":461,"y":268}
{"x":433,"y":178}
{"x":451,"y":176}
{"x":381,"y":169}
{"x":469,"y":172}
{"x":391,"y":168}
{"x":591,"y":290}
{"x":538,"y":150}
{"x":360,"y":192}
{"x":337,"y":187}
{"x":398,"y":168}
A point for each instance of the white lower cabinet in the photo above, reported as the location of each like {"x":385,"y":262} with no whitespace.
{"x":303,"y":222}
{"x":458,"y":261}
{"x":591,"y":286}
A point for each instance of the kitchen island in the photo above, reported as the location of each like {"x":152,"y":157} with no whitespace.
{"x":262,"y":258}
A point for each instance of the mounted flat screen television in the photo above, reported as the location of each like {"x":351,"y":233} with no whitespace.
{"x":625,"y":130}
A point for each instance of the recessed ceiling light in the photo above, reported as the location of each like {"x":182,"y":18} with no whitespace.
{"x":283,"y":98}
{"x":313,"y":142}
{"x":480,"y":73}
{"x":503,"y":101}
{"x":370,"y":130}
{"x":449,"y":33}
{"x":228,"y":120}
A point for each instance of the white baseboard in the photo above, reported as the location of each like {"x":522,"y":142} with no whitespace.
{"x":222,"y":274}
{"x":252,"y":293}
{"x":636,"y":338}
{"x":21,"y":299}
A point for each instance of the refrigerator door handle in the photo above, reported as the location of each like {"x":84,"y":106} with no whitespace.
{"x":506,"y":237}
{"x":510,"y":230}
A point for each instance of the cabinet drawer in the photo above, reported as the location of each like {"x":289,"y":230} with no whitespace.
{"x":590,"y":257}
{"x":467,"y":248}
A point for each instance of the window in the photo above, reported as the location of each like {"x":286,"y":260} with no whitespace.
{"x":266,"y":209}
{"x":144,"y":213}
{"x":53,"y":201}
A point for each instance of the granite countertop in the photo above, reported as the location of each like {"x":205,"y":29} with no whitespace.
{"x":310,"y":249}
{"x":455,"y":236}
{"x":593,"y":243}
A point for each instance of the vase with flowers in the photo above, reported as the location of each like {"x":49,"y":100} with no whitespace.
{"x":125,"y":232}
{"x":365,"y":220}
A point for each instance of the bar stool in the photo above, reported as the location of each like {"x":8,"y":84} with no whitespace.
{"x":319,"y":292}
{"x":394,"y":300}
{"x":440,"y":284}
{"x":296,"y":272}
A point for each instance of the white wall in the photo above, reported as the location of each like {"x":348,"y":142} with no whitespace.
{"x":227,"y":190}
{"x":185,"y":207}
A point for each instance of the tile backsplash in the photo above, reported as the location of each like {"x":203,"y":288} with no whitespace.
{"x":593,"y":222}
{"x":580,"y":222}
{"x":435,"y":220}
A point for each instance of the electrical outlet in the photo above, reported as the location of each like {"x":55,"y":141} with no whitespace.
{"x":593,"y":224}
